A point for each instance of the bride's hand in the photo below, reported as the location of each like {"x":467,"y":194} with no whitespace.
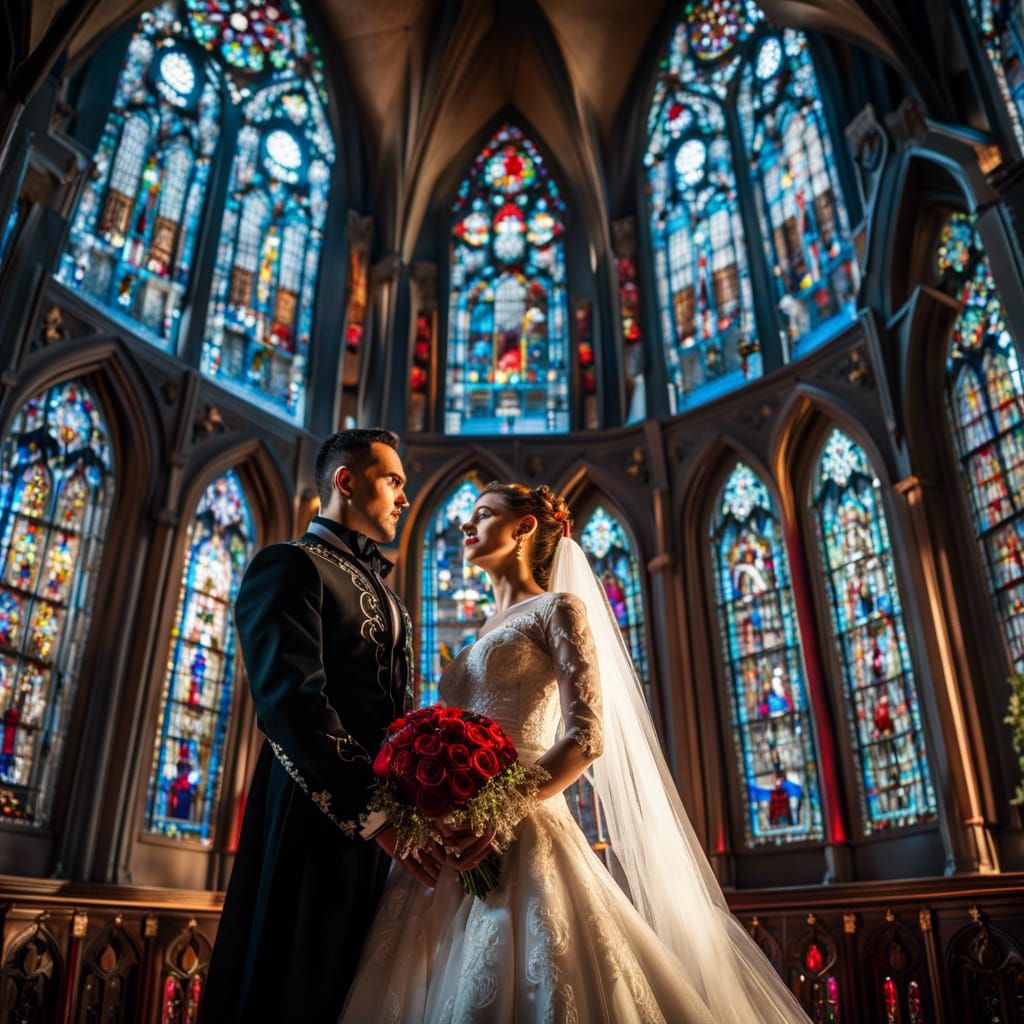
{"x":465,"y":848}
{"x":423,"y":865}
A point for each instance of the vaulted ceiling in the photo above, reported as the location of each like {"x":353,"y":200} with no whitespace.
{"x":429,"y":76}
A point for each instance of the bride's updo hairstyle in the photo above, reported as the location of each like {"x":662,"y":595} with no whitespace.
{"x":551,"y":512}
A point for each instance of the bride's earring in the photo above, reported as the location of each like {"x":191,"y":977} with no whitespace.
{"x":519,"y":548}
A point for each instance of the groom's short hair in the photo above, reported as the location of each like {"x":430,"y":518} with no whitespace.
{"x":350,"y":448}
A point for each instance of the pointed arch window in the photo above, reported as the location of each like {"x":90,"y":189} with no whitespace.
{"x":736,"y":137}
{"x":198,"y":689}
{"x":1000,"y":27}
{"x":985,"y":405}
{"x":769,"y":707}
{"x":803,"y":218}
{"x":260,"y":319}
{"x":879,"y":689}
{"x":132,"y":240}
{"x":56,"y":490}
{"x":508,"y":333}
{"x":455,"y":596}
{"x":613,"y":560}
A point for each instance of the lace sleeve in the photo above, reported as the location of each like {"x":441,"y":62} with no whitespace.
{"x":576,"y":669}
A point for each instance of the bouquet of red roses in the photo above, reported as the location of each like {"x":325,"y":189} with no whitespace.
{"x":445,"y":766}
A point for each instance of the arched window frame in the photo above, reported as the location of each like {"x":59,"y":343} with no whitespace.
{"x":222,"y":517}
{"x":538,"y":274}
{"x":875,"y":610}
{"x":61,"y":433}
{"x":126,"y":251}
{"x":277,"y":56}
{"x":789,"y":701}
{"x":739,"y":341}
{"x":443,"y":573}
{"x":984,"y":406}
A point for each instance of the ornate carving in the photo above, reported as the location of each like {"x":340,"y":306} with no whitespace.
{"x":31,"y":977}
{"x":424,"y":278}
{"x":79,"y":924}
{"x":637,"y":465}
{"x":150,"y":926}
{"x":908,"y":122}
{"x":209,"y":422}
{"x":849,"y":924}
{"x":856,"y":369}
{"x":624,"y":236}
{"x":109,"y":971}
{"x":758,"y":416}
{"x":866,"y":140}
{"x":185,"y":967}
{"x":924,"y":920}
{"x":53,"y":325}
{"x":986,"y":972}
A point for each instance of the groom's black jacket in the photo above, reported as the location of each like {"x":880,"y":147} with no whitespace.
{"x":328,"y":654}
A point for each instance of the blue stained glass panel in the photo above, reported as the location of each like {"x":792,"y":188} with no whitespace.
{"x":880,"y":692}
{"x":508,"y":328}
{"x":985,"y":404}
{"x":184,"y":785}
{"x":613,"y":560}
{"x":803,"y":218}
{"x":261,"y":310}
{"x":455,"y":596}
{"x":768,"y":702}
{"x":132,"y":240}
{"x":1000,"y":26}
{"x":56,"y":489}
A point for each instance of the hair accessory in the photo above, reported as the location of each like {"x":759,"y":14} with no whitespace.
{"x":567,"y":528}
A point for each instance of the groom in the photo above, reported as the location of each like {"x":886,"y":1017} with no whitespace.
{"x":328,"y":653}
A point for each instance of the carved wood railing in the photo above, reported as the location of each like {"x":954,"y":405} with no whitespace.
{"x":918,"y":952}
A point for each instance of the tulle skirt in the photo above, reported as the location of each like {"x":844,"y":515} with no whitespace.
{"x":557,"y":941}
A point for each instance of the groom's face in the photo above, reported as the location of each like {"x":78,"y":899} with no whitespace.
{"x":374,"y":490}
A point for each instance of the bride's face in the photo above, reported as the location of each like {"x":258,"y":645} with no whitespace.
{"x":491,"y":533}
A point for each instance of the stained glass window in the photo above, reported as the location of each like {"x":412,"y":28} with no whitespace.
{"x":613,"y":560}
{"x":985,"y":403}
{"x":806,"y":234}
{"x":696,"y":140}
{"x":770,"y":712}
{"x":55,"y":495}
{"x":455,"y":596}
{"x":261,"y":310}
{"x":198,"y":689}
{"x":507,"y":366}
{"x":1000,"y":24}
{"x":133,"y":235}
{"x":880,"y":692}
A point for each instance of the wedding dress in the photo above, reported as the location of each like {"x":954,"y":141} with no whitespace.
{"x":557,"y":940}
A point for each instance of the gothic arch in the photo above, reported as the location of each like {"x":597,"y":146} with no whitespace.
{"x":32,"y":976}
{"x":110,"y":980}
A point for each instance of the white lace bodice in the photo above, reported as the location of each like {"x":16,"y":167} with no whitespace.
{"x":532,"y":673}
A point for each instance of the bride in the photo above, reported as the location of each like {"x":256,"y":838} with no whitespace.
{"x":559,"y":940}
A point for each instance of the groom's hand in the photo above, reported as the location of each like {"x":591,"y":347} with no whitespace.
{"x":466,"y":849}
{"x":423,"y":865}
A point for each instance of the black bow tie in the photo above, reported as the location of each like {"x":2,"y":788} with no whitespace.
{"x":365,"y":550}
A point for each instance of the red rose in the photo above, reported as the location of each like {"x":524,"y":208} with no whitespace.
{"x":485,"y":763}
{"x":382,"y":762}
{"x":453,"y":730}
{"x":508,"y":753}
{"x":428,"y":745}
{"x":398,"y":723}
{"x":404,"y":765}
{"x":430,"y":772}
{"x":462,"y":786}
{"x":496,"y":733}
{"x":404,"y":737}
{"x":457,"y":755}
{"x":478,"y":736}
{"x":433,"y":801}
{"x":449,"y":712}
